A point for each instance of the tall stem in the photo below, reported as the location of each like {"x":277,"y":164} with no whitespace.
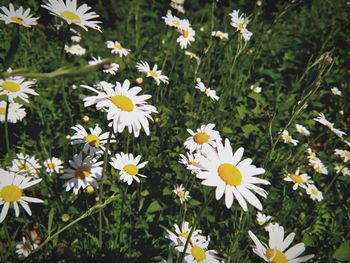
{"x":100,"y":195}
{"x":205,"y":205}
{"x":120,"y":219}
{"x":6,"y":127}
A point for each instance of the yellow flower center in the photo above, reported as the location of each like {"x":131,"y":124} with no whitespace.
{"x":261,"y":222}
{"x":90,"y":189}
{"x":82,"y":172}
{"x":122,"y":102}
{"x":296,"y":178}
{"x":11,"y":193}
{"x":17,"y":20}
{"x":2,"y":111}
{"x":118,"y":46}
{"x":93,"y":140}
{"x":314,"y":191}
{"x":23,"y":166}
{"x":240,"y":26}
{"x":198,"y":253}
{"x":181,"y":194}
{"x":176,"y":22}
{"x":230,"y":174}
{"x":51,"y":166}
{"x":347,"y":154}
{"x":71,"y":17}
{"x":194,"y":162}
{"x":185,"y":33}
{"x":184,"y":235}
{"x":153,"y":73}
{"x":11,"y":86}
{"x":288,"y":138}
{"x":276,"y":256}
{"x":201,"y":137}
{"x":131,"y":169}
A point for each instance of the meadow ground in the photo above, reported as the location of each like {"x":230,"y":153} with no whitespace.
{"x":262,"y":87}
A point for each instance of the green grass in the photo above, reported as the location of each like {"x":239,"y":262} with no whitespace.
{"x":286,"y":57}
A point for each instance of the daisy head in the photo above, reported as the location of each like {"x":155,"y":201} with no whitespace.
{"x":128,"y":167}
{"x":238,"y":21}
{"x":232,"y":176}
{"x":53,"y":165}
{"x":190,"y":161}
{"x":181,"y":193}
{"x":16,"y":87}
{"x":302,"y":130}
{"x":75,"y":49}
{"x":117,"y":48}
{"x":83,"y":172}
{"x":262,"y":219}
{"x":15,"y":112}
{"x":288,"y":138}
{"x":18,"y":16}
{"x":219,"y":34}
{"x":209,"y":92}
{"x":336,"y":91}
{"x":153,"y":73}
{"x":314,"y":193}
{"x":198,"y":252}
{"x":69,"y":11}
{"x":12,"y":188}
{"x":93,"y":140}
{"x":255,"y":88}
{"x":187,"y":34}
{"x":110,"y":69}
{"x":298,"y":179}
{"x":25,"y":165}
{"x":344,"y":154}
{"x":341,"y":169}
{"x":275,"y":251}
{"x":171,"y":20}
{"x":25,"y":247}
{"x":123,"y":106}
{"x":203,"y":137}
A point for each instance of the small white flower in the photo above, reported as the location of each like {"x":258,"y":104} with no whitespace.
{"x":153,"y":73}
{"x":25,"y":165}
{"x":209,"y":92}
{"x":187,"y":34}
{"x":255,"y":88}
{"x":18,"y":16}
{"x":219,"y":34}
{"x":171,"y":20}
{"x":240,"y":23}
{"x":117,"y":48}
{"x":197,"y":252}
{"x":15,"y":112}
{"x":178,"y":5}
{"x":288,"y":138}
{"x":314,"y":193}
{"x":302,"y":130}
{"x":340,"y":168}
{"x":191,"y":161}
{"x":192,"y":55}
{"x":316,"y":163}
{"x":24,"y":248}
{"x":53,"y":165}
{"x":17,"y":87}
{"x":204,"y":136}
{"x":322,"y":119}
{"x":298,"y":179}
{"x":344,"y":154}
{"x":75,"y":49}
{"x":128,"y":167}
{"x":262,"y":218}
{"x":75,"y":39}
{"x":336,"y":91}
{"x":181,"y":193}
{"x":110,"y":69}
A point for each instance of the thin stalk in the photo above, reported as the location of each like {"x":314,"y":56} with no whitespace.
{"x":120,"y":219}
{"x":100,"y":194}
{"x":6,"y":127}
{"x":205,"y":205}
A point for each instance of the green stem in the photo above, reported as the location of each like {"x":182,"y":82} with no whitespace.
{"x":120,"y":219}
{"x":6,"y":127}
{"x":100,"y":194}
{"x":205,"y":205}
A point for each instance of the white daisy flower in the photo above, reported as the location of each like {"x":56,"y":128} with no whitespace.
{"x":117,"y":48}
{"x":25,"y":165}
{"x":181,"y":193}
{"x":197,"y":252}
{"x":24,"y":248}
{"x":171,"y":20}
{"x":316,"y":163}
{"x":11,"y":194}
{"x":154,"y":73}
{"x":181,"y":235}
{"x":190,"y":161}
{"x":15,"y":112}
{"x":110,"y":69}
{"x":124,"y":107}
{"x":339,"y":168}
{"x":255,"y":88}
{"x":203,"y":137}
{"x":75,"y":39}
{"x":246,"y":34}
{"x":175,"y":4}
{"x":219,"y":34}
{"x":17,"y":87}
{"x":53,"y":165}
{"x":192,"y":55}
{"x":128,"y":167}
{"x":93,"y":141}
{"x":187,"y":34}
{"x":18,"y":16}
{"x":344,"y":154}
{"x":238,"y":21}
{"x":262,"y":218}
{"x":84,"y":173}
{"x":302,"y":130}
{"x":72,"y":14}
{"x":288,"y":138}
{"x":314,"y":193}
{"x":209,"y":92}
{"x":336,"y":91}
{"x":322,"y":119}
{"x":298,"y":179}
{"x":275,"y":251}
{"x":75,"y":49}
{"x":232,"y":176}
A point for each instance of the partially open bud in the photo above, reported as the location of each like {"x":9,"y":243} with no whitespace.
{"x":139,"y":81}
